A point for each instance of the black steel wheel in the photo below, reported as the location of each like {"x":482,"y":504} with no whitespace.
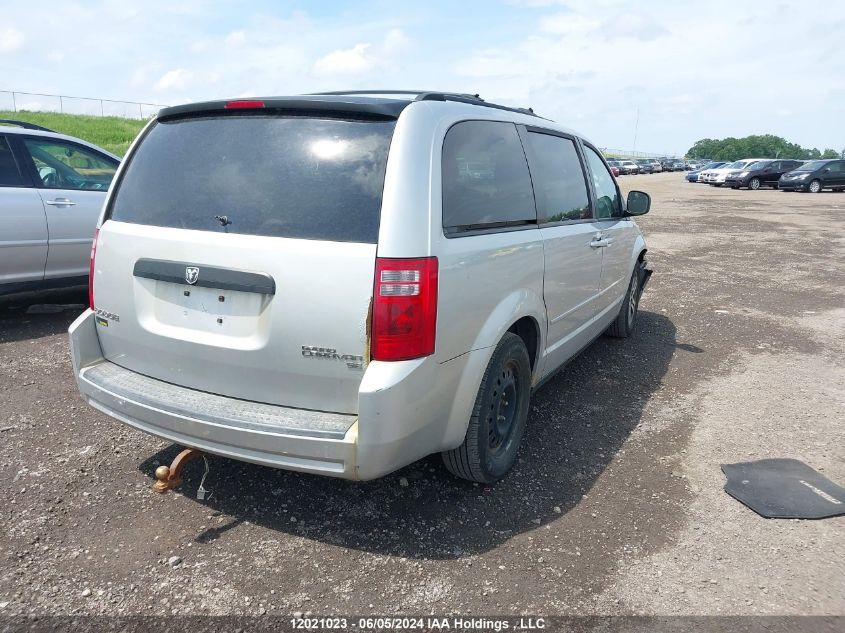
{"x":499,"y":416}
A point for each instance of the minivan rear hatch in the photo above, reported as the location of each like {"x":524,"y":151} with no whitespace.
{"x":237,"y":254}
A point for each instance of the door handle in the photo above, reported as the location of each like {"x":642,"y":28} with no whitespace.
{"x":60,"y":202}
{"x":599,"y":241}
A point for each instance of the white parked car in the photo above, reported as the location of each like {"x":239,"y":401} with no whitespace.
{"x":716,"y":177}
{"x":52,"y":188}
{"x":343,"y":284}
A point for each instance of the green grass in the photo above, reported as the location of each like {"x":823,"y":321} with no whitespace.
{"x":109,"y":132}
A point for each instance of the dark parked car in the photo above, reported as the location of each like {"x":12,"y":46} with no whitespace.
{"x":645,"y":166}
{"x":692,"y":176}
{"x":667,"y":164}
{"x":679,"y":165}
{"x":815,"y":175}
{"x":763,"y":173}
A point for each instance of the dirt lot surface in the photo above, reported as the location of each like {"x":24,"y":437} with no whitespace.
{"x":616,"y":505}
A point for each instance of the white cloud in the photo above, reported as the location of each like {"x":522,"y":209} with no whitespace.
{"x":633,"y":25}
{"x":177,"y":80}
{"x":568,"y":24}
{"x":11,"y":39}
{"x":349,"y":61}
{"x":396,"y":43}
{"x":236,"y":38}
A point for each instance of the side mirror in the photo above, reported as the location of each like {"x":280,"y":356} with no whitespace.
{"x":639,"y":203}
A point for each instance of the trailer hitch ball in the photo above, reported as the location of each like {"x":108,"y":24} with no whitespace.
{"x":162,"y":473}
{"x":170,"y":477}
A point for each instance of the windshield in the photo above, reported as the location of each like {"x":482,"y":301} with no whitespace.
{"x":813,"y":165}
{"x":275,"y":176}
{"x":760,"y":164}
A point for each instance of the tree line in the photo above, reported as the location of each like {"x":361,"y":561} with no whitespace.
{"x":763,"y":146}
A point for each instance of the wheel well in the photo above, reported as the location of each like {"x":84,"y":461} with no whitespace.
{"x":527,"y":329}
{"x":642,"y":255}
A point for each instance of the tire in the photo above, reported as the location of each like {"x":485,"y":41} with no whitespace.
{"x":717,"y":184}
{"x":498,"y":418}
{"x":754,"y":184}
{"x":815,"y":186}
{"x":625,"y":321}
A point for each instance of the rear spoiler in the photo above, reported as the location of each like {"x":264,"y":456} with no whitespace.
{"x":337,"y":105}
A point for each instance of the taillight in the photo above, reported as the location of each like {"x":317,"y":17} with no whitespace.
{"x":404,"y":308}
{"x":91,"y":269}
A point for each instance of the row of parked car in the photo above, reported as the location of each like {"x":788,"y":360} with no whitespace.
{"x":785,"y":174}
{"x":625,"y":167}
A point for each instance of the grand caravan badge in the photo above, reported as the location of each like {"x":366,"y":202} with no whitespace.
{"x":353,"y":362}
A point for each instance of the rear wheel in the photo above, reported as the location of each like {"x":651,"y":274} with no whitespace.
{"x":754,"y":184}
{"x":623,"y":326}
{"x":498,"y":418}
{"x":815,"y":186}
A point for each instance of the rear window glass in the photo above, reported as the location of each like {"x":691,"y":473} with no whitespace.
{"x":275,"y":176}
{"x":485,"y":177}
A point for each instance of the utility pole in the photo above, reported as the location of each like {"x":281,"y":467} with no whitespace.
{"x":636,"y":127}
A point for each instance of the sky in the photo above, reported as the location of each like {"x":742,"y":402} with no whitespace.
{"x":650,"y":75}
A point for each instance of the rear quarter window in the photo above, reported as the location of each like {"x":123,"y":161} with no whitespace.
{"x":277,"y":176}
{"x":559,"y":183}
{"x":485,"y":178}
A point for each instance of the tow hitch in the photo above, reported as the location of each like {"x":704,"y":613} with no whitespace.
{"x":170,"y":477}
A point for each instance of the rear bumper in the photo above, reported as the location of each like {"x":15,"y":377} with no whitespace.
{"x":401,"y":417}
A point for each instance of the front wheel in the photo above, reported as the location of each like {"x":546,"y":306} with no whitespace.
{"x":499,"y":416}
{"x":754,"y":184}
{"x":815,"y":186}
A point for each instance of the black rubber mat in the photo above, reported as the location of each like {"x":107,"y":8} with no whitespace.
{"x":784,"y":489}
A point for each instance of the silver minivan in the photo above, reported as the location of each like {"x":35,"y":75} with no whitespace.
{"x":344,"y":283}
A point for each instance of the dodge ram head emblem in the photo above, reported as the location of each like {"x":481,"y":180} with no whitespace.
{"x":192,"y":273}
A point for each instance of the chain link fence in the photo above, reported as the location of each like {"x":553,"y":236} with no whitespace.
{"x":627,"y":153}
{"x":39,"y":102}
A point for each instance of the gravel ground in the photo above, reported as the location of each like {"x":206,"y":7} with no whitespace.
{"x":616,"y":505}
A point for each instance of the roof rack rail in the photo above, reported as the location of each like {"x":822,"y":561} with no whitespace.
{"x":433,"y":95}
{"x":27,"y":126}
